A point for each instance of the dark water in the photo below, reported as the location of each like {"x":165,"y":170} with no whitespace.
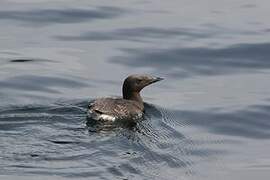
{"x":209,"y":119}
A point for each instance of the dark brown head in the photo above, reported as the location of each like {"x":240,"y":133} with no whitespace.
{"x":133,"y":84}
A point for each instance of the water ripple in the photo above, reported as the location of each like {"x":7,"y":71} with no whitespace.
{"x":251,"y":122}
{"x":49,"y":137}
{"x":199,"y":61}
{"x":32,"y":83}
{"x":62,"y":16}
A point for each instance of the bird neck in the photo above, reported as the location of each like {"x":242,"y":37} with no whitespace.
{"x":134,"y":96}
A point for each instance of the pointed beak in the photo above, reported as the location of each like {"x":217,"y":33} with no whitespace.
{"x":156,"y":79}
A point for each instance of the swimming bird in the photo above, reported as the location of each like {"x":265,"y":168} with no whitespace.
{"x":130,"y":107}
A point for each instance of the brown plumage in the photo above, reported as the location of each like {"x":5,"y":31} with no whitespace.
{"x":129,"y":107}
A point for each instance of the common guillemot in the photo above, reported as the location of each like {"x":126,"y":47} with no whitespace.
{"x":130,"y":107}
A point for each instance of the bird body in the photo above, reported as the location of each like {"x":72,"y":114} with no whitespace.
{"x":110,"y":109}
{"x":130,"y":107}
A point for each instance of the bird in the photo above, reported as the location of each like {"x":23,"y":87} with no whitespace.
{"x":129,"y":107}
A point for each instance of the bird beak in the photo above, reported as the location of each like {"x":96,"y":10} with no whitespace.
{"x":156,"y":79}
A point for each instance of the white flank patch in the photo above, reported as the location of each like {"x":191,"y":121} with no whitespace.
{"x":106,"y":117}
{"x":97,"y":117}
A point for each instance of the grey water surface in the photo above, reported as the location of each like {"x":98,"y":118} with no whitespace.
{"x":209,"y":118}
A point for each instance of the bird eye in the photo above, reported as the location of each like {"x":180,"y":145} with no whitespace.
{"x":139,"y":80}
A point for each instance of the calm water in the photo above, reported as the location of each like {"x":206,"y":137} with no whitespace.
{"x":210,"y":118}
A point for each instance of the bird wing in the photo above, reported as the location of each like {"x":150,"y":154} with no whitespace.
{"x":115,"y":107}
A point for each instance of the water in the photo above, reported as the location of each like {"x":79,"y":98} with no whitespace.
{"x":208,"y":120}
